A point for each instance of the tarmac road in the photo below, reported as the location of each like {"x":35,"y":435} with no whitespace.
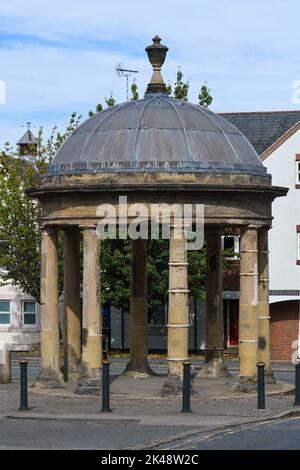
{"x":276,"y":435}
{"x":84,"y":434}
{"x":74,"y":434}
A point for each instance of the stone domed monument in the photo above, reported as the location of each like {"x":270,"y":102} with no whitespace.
{"x":152,"y":151}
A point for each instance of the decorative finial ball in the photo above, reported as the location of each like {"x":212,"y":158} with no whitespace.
{"x":157,"y":53}
{"x":156,"y":39}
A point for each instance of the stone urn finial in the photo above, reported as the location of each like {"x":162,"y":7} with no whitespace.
{"x":156,"y":53}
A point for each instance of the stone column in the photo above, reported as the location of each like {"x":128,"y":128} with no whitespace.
{"x":50,"y":375}
{"x":178,"y":320}
{"x":138,"y":365}
{"x":89,"y":382}
{"x":248,"y":330}
{"x":72,"y":305}
{"x":5,"y":366}
{"x":263,"y":304}
{"x":214,"y":334}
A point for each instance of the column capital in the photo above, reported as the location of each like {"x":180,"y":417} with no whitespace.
{"x":253,"y":227}
{"x":265,"y":228}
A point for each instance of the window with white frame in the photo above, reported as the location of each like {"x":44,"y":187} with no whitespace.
{"x":231,"y":246}
{"x":29,"y":312}
{"x":297,"y":172}
{"x":4,"y":312}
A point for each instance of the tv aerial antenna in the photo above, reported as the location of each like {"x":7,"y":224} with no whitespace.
{"x":28,"y":125}
{"x":122,"y":72}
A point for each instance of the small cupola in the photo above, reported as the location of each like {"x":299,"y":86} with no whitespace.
{"x":27,"y":144}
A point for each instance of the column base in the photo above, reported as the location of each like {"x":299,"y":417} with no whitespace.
{"x":213,"y":368}
{"x":73,"y":377}
{"x":90,"y":383}
{"x":269,"y":376}
{"x":173,"y":387}
{"x":138,"y":369}
{"x":72,"y":372}
{"x":245,"y":383}
{"x":49,"y":378}
{"x":88,"y":386}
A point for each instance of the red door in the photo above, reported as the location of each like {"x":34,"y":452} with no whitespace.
{"x":231,"y":322}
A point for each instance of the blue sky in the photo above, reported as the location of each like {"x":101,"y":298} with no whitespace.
{"x":59,"y":56}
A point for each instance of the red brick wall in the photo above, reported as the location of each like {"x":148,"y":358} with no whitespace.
{"x":283,"y":329}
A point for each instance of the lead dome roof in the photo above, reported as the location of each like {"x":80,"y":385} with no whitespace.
{"x":156,"y":134}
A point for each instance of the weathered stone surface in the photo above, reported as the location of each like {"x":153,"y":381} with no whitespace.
{"x":89,"y":381}
{"x":248,"y":330}
{"x":89,"y":385}
{"x":5,"y":367}
{"x":72,"y":305}
{"x":49,"y":378}
{"x":138,"y":365}
{"x":214,"y":324}
{"x":263,"y":304}
{"x":50,"y":345}
{"x":178,"y":321}
{"x":245,"y":383}
{"x":214,"y":368}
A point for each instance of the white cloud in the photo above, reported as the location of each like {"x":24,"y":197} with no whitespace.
{"x":60,"y":56}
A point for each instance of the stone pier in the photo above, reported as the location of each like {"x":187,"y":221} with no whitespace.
{"x":138,"y":365}
{"x":50,"y":375}
{"x":214,"y":325}
{"x":72,"y":305}
{"x":248,"y":329}
{"x":5,"y":366}
{"x":90,"y":379}
{"x":178,"y":321}
{"x":263,"y":304}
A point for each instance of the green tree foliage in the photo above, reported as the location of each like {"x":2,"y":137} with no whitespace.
{"x":181,"y":88}
{"x":205,"y":98}
{"x":169,"y":89}
{"x":196,"y":273}
{"x":158,"y":272}
{"x":98,"y":108}
{"x":20,"y":215}
{"x":19,"y":227}
{"x":116,"y":272}
{"x":110,"y":101}
{"x":158,"y":258}
{"x":134,"y":91}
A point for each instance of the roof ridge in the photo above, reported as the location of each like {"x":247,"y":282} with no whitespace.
{"x":260,"y":112}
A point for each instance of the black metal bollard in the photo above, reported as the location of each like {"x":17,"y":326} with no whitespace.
{"x":104,"y":347}
{"x":261,"y":400}
{"x":186,"y":391}
{"x":297,"y":384}
{"x":105,"y":387}
{"x":23,"y":386}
